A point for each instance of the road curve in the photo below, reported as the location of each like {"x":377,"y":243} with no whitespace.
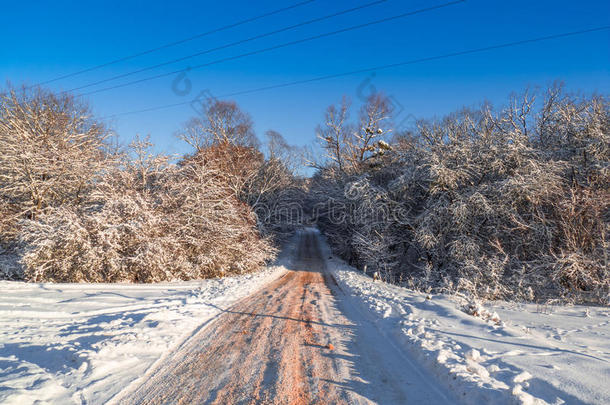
{"x":293,"y":342}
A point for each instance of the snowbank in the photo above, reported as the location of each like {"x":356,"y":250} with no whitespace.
{"x":84,"y":343}
{"x":503,"y":354}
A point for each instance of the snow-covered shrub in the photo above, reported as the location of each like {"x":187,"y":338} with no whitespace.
{"x":75,"y":208}
{"x":147,"y":220}
{"x":512,"y":204}
{"x":51,"y":151}
{"x":224,"y":142}
{"x":10,"y":268}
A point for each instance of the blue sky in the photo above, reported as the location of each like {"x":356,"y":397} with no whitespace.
{"x":43,"y":40}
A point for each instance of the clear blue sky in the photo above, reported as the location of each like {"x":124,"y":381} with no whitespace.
{"x":43,"y":40}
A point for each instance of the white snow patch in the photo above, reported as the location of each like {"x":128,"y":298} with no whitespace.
{"x":531,"y":355}
{"x":85,"y":343}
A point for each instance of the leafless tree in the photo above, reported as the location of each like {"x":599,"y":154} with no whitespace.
{"x":223,"y":122}
{"x":335,"y":132}
{"x":51,"y":151}
{"x":350,"y":146}
{"x":374,"y":125}
{"x":225,"y":142}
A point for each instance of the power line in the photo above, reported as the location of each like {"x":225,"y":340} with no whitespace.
{"x":283,"y":45}
{"x":231,"y":44}
{"x":381,"y":67}
{"x":181,"y":41}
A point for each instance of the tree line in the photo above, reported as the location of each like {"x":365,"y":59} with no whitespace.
{"x":507,"y":203}
{"x":77,"y":207}
{"x":497,"y":203}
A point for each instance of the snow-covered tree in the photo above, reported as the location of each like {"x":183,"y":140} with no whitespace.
{"x":509,"y":203}
{"x":146,"y":220}
{"x":51,"y":150}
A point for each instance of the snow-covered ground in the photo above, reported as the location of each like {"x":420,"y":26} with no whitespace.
{"x":84,"y":343}
{"x":503,"y":354}
{"x":87,"y":343}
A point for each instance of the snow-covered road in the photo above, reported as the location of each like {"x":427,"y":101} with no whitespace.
{"x":265,"y":337}
{"x":84,"y":343}
{"x":274,"y":347}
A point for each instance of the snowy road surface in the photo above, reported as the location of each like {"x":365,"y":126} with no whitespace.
{"x":265,"y":336}
{"x":84,"y":343}
{"x":275,"y":347}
